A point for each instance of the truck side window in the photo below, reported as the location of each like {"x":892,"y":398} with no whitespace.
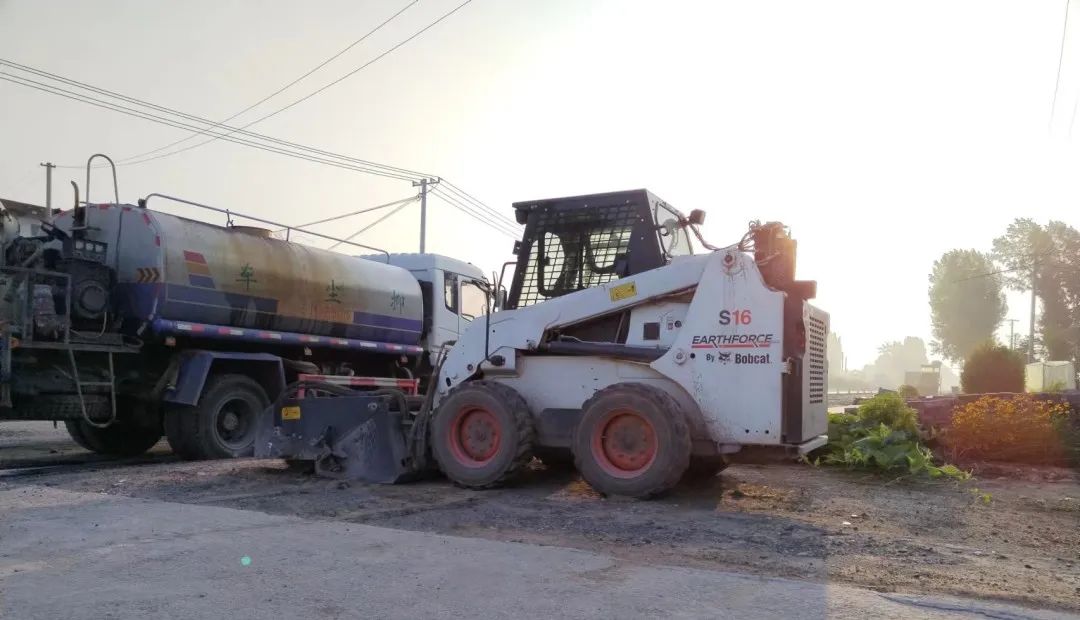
{"x":450,"y":291}
{"x":474,"y":301}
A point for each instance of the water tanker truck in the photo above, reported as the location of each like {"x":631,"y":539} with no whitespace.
{"x":126,"y":322}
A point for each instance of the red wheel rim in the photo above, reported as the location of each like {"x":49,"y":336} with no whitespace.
{"x":624,"y":443}
{"x":474,"y":436}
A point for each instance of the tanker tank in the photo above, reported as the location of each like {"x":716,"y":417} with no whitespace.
{"x":171,"y":267}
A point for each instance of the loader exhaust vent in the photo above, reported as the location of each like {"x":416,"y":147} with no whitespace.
{"x":574,"y":250}
{"x":816,"y":333}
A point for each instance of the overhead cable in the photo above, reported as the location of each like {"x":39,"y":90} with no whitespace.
{"x":281,"y":89}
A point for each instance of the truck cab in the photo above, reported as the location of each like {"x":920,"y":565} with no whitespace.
{"x":453,"y":291}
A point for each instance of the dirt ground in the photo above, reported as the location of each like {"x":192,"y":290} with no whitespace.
{"x":1008,"y":535}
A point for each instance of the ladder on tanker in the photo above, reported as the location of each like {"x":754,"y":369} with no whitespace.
{"x":109,"y":384}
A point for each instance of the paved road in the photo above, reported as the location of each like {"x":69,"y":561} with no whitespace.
{"x":83,"y":555}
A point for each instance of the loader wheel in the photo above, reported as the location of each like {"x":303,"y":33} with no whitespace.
{"x":632,"y":440}
{"x":122,"y":438}
{"x":222,"y":425}
{"x":482,"y":434}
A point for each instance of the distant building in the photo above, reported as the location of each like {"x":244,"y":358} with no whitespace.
{"x":29,"y":216}
{"x":927,"y":380}
{"x":835,"y":353}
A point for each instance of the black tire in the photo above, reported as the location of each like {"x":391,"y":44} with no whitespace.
{"x":499,"y":441}
{"x":121,"y":438}
{"x":223,"y":424}
{"x":632,"y":440}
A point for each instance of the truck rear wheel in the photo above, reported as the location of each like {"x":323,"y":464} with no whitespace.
{"x":122,"y":438}
{"x":632,"y":440}
{"x":223,"y":424}
{"x":482,"y":434}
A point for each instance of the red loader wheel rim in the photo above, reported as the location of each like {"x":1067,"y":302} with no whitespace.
{"x":624,"y":444}
{"x":474,"y":436}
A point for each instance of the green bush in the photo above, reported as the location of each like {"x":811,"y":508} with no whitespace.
{"x":992,"y":368}
{"x":908,"y":392}
{"x":1055,"y":386}
{"x":883,"y":436}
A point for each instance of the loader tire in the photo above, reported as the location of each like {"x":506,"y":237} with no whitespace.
{"x":632,"y":440}
{"x":223,"y":424}
{"x":121,"y":438}
{"x":482,"y":435}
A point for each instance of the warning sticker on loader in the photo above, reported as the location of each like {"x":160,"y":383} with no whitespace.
{"x":623,"y":291}
{"x":290,"y":413}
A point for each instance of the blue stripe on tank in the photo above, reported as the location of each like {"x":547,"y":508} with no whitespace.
{"x":201,"y":281}
{"x":217,"y":307}
{"x":382,"y":320}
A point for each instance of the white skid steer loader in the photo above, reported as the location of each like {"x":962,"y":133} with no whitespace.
{"x":638,"y":359}
{"x":618,"y":348}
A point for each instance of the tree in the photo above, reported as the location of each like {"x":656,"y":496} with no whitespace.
{"x":1049,"y":255}
{"x":992,"y":368}
{"x":966,"y":303}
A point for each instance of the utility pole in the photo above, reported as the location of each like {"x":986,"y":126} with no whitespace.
{"x":1012,"y":333}
{"x":1031,"y":324}
{"x":48,"y":190}
{"x":423,"y":185}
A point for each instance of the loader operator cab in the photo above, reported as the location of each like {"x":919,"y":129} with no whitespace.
{"x":574,"y":243}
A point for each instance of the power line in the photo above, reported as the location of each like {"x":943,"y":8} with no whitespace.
{"x":468,"y":198}
{"x":283,"y":88}
{"x":352,"y":213}
{"x":1061,"y":59}
{"x":469,"y":209}
{"x":450,"y":200}
{"x":457,"y":197}
{"x":408,"y":173}
{"x":371,"y":225}
{"x":317,"y":91}
{"x":1001,"y":271}
{"x":172,"y":123}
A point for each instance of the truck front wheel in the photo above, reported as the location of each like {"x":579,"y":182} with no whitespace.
{"x":222,"y":425}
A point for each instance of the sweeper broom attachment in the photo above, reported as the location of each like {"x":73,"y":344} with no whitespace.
{"x":345,"y":433}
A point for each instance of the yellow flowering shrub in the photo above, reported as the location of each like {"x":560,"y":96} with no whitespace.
{"x":1020,"y":429}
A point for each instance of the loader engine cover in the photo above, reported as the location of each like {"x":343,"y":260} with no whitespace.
{"x":173,"y":268}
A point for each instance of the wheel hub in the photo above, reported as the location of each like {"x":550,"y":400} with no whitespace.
{"x":230,"y":421}
{"x":475,"y":436}
{"x":626,"y":443}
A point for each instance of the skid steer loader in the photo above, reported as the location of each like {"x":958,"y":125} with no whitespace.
{"x":627,"y":345}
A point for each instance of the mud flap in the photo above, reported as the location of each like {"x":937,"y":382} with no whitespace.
{"x":354,"y":437}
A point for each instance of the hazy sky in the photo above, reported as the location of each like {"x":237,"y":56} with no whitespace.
{"x":884,"y":133}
